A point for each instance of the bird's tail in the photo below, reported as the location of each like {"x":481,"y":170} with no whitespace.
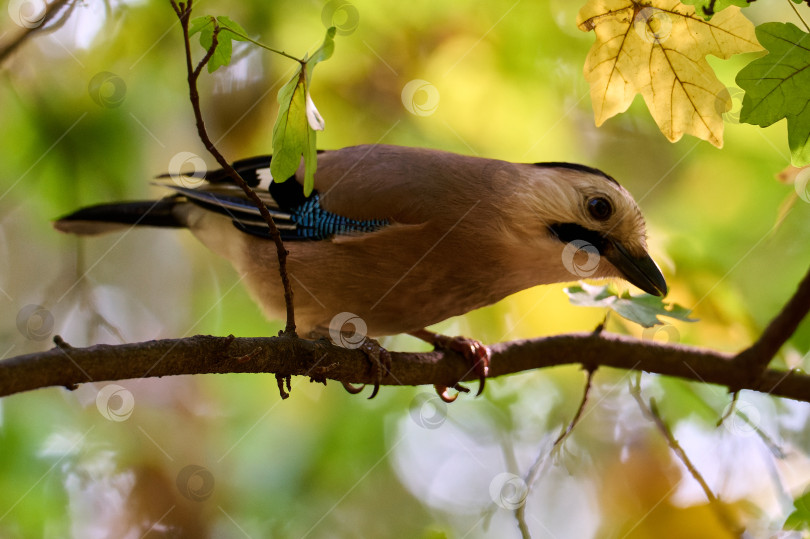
{"x":104,"y":218}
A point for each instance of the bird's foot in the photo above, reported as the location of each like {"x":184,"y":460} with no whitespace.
{"x":473,"y":351}
{"x":380,"y":359}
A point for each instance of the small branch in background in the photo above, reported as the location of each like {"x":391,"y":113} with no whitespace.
{"x":732,"y":407}
{"x":651,"y":412}
{"x":755,"y":359}
{"x":564,"y":434}
{"x":51,"y":11}
{"x":534,"y":470}
{"x":732,"y":410}
{"x":799,"y":15}
{"x":183,"y":11}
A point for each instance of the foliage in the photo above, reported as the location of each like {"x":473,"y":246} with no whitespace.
{"x":228,"y":31}
{"x":776,"y":85}
{"x":298,"y":119}
{"x":643,"y":309}
{"x":658,"y":49}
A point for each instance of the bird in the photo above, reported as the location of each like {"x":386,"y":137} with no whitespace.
{"x":395,"y":239}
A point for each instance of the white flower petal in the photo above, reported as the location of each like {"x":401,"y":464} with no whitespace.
{"x":313,"y":116}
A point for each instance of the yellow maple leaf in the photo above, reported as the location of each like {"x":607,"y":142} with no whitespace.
{"x":658,"y":48}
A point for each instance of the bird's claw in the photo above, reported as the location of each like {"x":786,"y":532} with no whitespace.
{"x":445,"y":396}
{"x":473,"y":351}
{"x":353,"y":389}
{"x":380,"y":359}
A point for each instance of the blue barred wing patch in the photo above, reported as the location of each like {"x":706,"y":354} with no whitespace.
{"x":314,"y":222}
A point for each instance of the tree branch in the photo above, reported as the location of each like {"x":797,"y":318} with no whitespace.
{"x":183,"y":11}
{"x":288,"y":356}
{"x":320,"y":360}
{"x":50,"y":13}
{"x":755,"y":358}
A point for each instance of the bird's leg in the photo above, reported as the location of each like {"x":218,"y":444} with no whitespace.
{"x":379,"y":357}
{"x":473,"y":351}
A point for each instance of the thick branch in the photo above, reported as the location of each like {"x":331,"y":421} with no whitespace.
{"x":320,"y":360}
{"x":756,"y":358}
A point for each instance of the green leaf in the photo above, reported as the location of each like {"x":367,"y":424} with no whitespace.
{"x":800,"y":518}
{"x":229,"y":31}
{"x":778,"y":85}
{"x":233,"y":29}
{"x":293,"y":136}
{"x":199,"y":23}
{"x":585,"y":295}
{"x":324,"y":52}
{"x":708,"y":8}
{"x":643,"y":309}
{"x":290,"y":134}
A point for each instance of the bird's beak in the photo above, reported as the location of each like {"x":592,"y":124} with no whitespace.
{"x":641,"y":271}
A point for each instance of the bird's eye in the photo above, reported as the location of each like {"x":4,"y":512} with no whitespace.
{"x":600,"y":209}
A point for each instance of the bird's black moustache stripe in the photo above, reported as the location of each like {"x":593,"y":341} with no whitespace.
{"x":568,"y":232}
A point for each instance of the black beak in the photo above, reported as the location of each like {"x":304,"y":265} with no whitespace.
{"x":640,"y":271}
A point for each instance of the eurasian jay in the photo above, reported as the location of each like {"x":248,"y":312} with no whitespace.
{"x":404,"y":237}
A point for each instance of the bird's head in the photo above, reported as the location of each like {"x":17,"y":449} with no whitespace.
{"x":584,"y":217}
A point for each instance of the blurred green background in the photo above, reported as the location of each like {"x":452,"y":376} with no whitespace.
{"x":223,"y":456}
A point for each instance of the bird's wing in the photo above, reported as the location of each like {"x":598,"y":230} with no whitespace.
{"x":357,"y":189}
{"x":297,"y":216}
{"x":403,"y":184}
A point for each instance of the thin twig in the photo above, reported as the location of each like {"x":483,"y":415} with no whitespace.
{"x":578,"y":415}
{"x":50,"y":12}
{"x":651,"y":412}
{"x":731,"y":408}
{"x":795,"y":10}
{"x":534,"y":470}
{"x":262,"y":45}
{"x":183,"y":12}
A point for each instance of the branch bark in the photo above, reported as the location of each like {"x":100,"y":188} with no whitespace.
{"x":320,"y":360}
{"x":756,"y":358}
{"x":288,"y":355}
